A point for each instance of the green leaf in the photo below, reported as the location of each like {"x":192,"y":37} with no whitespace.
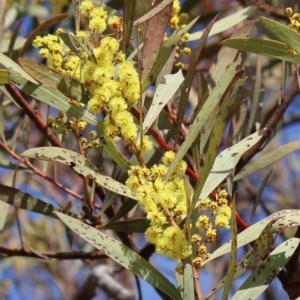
{"x":283,"y":33}
{"x":267,"y":159}
{"x":252,"y":233}
{"x":80,"y":165}
{"x":127,"y":206}
{"x":25,"y":201}
{"x":188,"y":282}
{"x":225,"y":23}
{"x":4,"y":208}
{"x":153,"y":37}
{"x":129,"y":9}
{"x":68,"y":86}
{"x":164,"y":53}
{"x":232,"y":263}
{"x":10,"y":64}
{"x":261,"y":247}
{"x":226,"y":162}
{"x":123,"y":255}
{"x":54,"y":98}
{"x":269,"y":48}
{"x":216,"y":95}
{"x":4,"y":77}
{"x":187,"y":84}
{"x":214,"y":140}
{"x":227,"y":56}
{"x":264,"y":274}
{"x":150,"y":14}
{"x":162,"y":95}
{"x":133,"y":225}
{"x":257,"y":99}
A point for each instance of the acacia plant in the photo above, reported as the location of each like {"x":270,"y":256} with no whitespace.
{"x":112,"y":101}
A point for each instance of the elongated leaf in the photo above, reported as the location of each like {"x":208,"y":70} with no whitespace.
{"x":10,"y":64}
{"x":215,"y":140}
{"x":68,"y":40}
{"x":44,"y":26}
{"x":25,"y":201}
{"x":261,"y":247}
{"x":133,"y":225}
{"x":225,"y":23}
{"x":217,"y":94}
{"x":164,"y":53}
{"x":68,"y":86}
{"x":269,"y":48}
{"x":252,"y":233}
{"x":162,"y":95}
{"x":54,"y":98}
{"x":153,"y":12}
{"x":4,"y":208}
{"x":283,"y":33}
{"x":226,"y":162}
{"x":154,"y":36}
{"x":123,"y":255}
{"x":4,"y":77}
{"x":124,"y":209}
{"x":187,"y":85}
{"x":80,"y":165}
{"x":188,"y":282}
{"x":226,"y":56}
{"x":257,"y":98}
{"x":231,"y":267}
{"x":267,"y":159}
{"x":129,"y":9}
{"x":263,"y":275}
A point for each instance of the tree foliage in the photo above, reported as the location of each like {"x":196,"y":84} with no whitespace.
{"x":129,"y":123}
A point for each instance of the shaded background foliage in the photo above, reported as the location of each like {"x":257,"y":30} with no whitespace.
{"x":45,"y":279}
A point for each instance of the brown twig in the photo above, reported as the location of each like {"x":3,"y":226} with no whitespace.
{"x":5,"y":252}
{"x":38,"y":172}
{"x":34,"y":116}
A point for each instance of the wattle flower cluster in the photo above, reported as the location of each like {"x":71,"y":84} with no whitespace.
{"x":164,"y":203}
{"x":112,"y":82}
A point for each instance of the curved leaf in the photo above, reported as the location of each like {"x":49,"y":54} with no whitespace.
{"x":70,"y":87}
{"x":226,"y":162}
{"x":153,"y":37}
{"x":129,"y":9}
{"x":80,"y":165}
{"x":162,"y":95}
{"x":267,"y":159}
{"x":252,"y":233}
{"x":225,"y":23}
{"x":263,"y":275}
{"x":216,"y":95}
{"x":149,"y":15}
{"x":133,"y":225}
{"x":269,"y":48}
{"x":123,"y":255}
{"x":164,"y":53}
{"x":283,"y":33}
{"x":25,"y":201}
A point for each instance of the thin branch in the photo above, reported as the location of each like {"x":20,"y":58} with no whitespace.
{"x":34,"y":116}
{"x":38,"y":172}
{"x":6,"y":252}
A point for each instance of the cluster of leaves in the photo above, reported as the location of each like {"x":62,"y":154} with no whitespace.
{"x":98,"y":81}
